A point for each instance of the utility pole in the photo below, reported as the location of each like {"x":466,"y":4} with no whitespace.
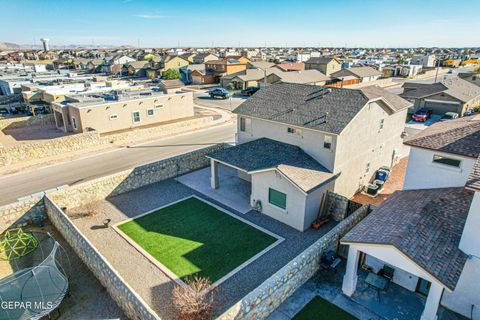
{"x":436,"y":73}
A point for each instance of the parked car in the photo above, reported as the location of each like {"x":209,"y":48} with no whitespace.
{"x":449,"y":116}
{"x":219,"y":92}
{"x":422,"y":114}
{"x":469,"y":112}
{"x":250,"y":91}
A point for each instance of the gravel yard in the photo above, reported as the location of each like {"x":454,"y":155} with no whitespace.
{"x":148,"y":280}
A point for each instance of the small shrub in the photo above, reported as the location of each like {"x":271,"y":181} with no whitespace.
{"x":194,"y":303}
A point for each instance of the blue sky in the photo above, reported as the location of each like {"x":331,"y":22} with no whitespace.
{"x":372,"y":23}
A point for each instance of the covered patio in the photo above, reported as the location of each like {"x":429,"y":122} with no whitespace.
{"x":234,"y":193}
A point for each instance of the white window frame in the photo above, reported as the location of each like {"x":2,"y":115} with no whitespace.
{"x":113,"y":116}
{"x":325,"y":137}
{"x":150,"y":115}
{"x":139,"y":117}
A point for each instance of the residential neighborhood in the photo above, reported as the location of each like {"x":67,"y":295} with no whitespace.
{"x":181,"y":161}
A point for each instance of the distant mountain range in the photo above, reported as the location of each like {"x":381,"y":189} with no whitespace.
{"x":15,"y":46}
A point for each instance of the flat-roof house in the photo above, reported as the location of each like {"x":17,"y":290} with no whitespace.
{"x":449,"y":95}
{"x":326,"y":65}
{"x":296,"y":141}
{"x":427,"y":235}
{"x":111,"y":111}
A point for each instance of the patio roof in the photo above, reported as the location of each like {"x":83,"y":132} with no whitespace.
{"x":266,"y":154}
{"x":426,"y":225}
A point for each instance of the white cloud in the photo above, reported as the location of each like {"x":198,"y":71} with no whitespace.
{"x":151,"y":16}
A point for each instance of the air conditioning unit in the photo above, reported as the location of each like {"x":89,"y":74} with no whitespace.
{"x":257,"y":205}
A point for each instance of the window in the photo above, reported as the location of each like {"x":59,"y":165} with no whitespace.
{"x":151,"y":112}
{"x":136,"y":116}
{"x":367,"y":167}
{"x":327,"y":142}
{"x":295,"y":131}
{"x":245,"y":125}
{"x":113,"y":117}
{"x":159,"y":106}
{"x":446,"y":161}
{"x":74,"y":123}
{"x":382,"y":121}
{"x":277,"y":198}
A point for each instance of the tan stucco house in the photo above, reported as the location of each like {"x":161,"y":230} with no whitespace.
{"x":110,"y":111}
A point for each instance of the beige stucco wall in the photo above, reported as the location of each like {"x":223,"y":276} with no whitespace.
{"x":175,"y":106}
{"x":362,"y":141}
{"x":301,"y":210}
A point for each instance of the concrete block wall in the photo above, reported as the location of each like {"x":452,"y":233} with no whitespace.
{"x":262,"y":301}
{"x":22,"y":213}
{"x":132,"y":304}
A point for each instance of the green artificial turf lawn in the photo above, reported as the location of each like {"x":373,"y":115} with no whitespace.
{"x":192,"y":238}
{"x":320,"y":309}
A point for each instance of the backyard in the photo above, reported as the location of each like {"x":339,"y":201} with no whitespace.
{"x":193,"y":238}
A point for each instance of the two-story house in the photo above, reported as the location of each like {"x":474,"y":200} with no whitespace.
{"x":326,"y":65}
{"x":427,"y":235}
{"x":220,"y":68}
{"x":296,"y":141}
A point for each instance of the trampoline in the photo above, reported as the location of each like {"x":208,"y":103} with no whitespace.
{"x":34,"y":292}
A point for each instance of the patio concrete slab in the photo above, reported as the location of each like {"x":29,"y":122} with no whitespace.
{"x":233,"y":192}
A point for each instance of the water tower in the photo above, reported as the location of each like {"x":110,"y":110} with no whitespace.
{"x":45,"y":43}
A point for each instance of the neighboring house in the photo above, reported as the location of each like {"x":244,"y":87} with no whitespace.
{"x":471,"y":77}
{"x":261,"y":65}
{"x":426,"y":61}
{"x":317,"y":139}
{"x":189,"y":56}
{"x":112,"y":112}
{"x":356,"y":75}
{"x":449,"y":95}
{"x":220,"y":68}
{"x":248,"y":78}
{"x":444,"y":154}
{"x":168,"y":62}
{"x":201,"y":77}
{"x":136,"y":68}
{"x":406,"y":71}
{"x":186,"y":72}
{"x":428,"y":234}
{"x":203,"y":57}
{"x":238,"y":58}
{"x":326,"y":65}
{"x":292,"y":66}
{"x":311,"y":77}
{"x":171,"y":86}
{"x":80,"y":63}
{"x":94,"y":65}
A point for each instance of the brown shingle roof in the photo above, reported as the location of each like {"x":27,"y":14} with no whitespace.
{"x":460,"y":136}
{"x":426,"y":225}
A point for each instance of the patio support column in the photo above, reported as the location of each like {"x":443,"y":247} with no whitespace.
{"x":350,"y":278}
{"x":213,"y":174}
{"x":433,"y":300}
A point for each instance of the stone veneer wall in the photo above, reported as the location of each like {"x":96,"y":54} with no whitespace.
{"x":30,"y":151}
{"x":60,"y":146}
{"x":20,"y":122}
{"x":21,"y":213}
{"x":132,"y":304}
{"x":131,"y":179}
{"x":262,"y":301}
